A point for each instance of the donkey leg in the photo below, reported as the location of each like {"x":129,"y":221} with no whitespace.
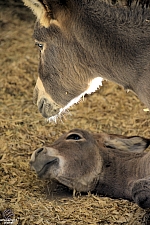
{"x":141,"y":192}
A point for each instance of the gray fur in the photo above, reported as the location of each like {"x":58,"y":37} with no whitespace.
{"x":87,"y":39}
{"x":96,"y":162}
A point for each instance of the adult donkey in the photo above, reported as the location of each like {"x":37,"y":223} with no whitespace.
{"x":83,"y":42}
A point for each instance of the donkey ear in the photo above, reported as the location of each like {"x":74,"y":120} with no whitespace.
{"x":133,"y":144}
{"x":46,"y":11}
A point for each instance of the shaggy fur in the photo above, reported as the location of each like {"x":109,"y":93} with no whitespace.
{"x":110,"y":165}
{"x":89,"y":39}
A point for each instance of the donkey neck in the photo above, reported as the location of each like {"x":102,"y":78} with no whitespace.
{"x":110,"y":36}
{"x":119,"y":169}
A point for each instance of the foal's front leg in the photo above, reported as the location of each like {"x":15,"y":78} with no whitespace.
{"x":141,"y":192}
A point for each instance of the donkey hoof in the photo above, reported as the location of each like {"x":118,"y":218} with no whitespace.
{"x":141,"y":193}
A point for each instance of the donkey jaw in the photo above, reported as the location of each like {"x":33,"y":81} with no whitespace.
{"x":93,"y":86}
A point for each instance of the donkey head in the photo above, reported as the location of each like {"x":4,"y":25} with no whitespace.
{"x":73,"y":160}
{"x":65,"y":71}
{"x":80,"y":159}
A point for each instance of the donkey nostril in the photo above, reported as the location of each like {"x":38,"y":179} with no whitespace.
{"x":39,"y":150}
{"x":41,"y":104}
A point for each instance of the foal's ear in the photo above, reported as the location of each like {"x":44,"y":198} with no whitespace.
{"x":133,"y":144}
{"x":47,"y":11}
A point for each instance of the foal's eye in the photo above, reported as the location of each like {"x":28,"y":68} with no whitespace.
{"x":73,"y":137}
{"x":39,"y":45}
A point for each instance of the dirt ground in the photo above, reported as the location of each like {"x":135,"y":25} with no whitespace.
{"x":23,"y":129}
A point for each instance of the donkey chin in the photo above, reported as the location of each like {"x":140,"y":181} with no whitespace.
{"x":52,"y":111}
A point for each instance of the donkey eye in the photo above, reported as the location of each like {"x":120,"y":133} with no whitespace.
{"x":74,"y":137}
{"x":39,"y":45}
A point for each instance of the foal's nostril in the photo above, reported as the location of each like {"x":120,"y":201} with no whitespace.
{"x":38,"y":151}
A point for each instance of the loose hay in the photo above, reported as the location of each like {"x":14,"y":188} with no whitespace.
{"x":22,"y":130}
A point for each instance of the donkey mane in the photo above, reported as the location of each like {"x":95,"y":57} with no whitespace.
{"x":126,"y":16}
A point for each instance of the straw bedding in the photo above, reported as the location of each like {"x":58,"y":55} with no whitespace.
{"x":22,"y":130}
